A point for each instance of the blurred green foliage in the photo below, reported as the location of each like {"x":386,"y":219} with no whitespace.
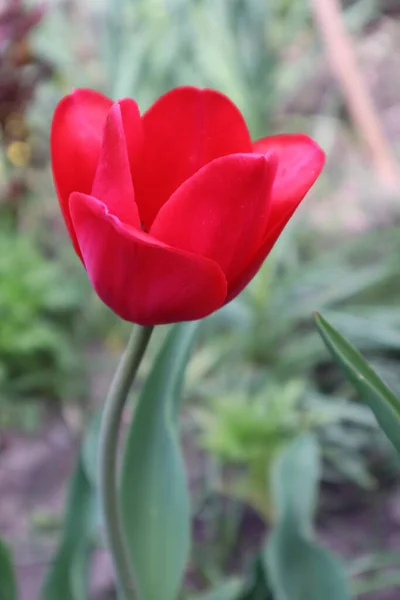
{"x":233,"y":46}
{"x":40,"y":308}
{"x":298,"y":567}
{"x":269,"y":377}
{"x":147,"y":47}
{"x":356,"y":282}
{"x":250,"y":431}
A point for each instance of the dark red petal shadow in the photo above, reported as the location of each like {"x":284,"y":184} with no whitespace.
{"x":139,"y":278}
{"x":184,"y":130}
{"x":113,"y":181}
{"x":221,"y":211}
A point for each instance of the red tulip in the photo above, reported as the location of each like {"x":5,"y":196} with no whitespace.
{"x":173,"y":212}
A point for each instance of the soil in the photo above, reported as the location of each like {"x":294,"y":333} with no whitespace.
{"x":33,"y":475}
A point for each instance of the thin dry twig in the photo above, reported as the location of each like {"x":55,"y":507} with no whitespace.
{"x":342,"y":59}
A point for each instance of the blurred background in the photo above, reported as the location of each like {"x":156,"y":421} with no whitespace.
{"x":260,"y":374}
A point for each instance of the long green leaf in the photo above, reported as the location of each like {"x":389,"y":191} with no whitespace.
{"x":90,"y":448}
{"x":67,"y":578}
{"x":294,"y":482}
{"x":8,"y":584}
{"x":153,"y":494}
{"x":372,"y":390}
{"x":256,"y":585}
{"x":298,"y":567}
{"x":228,"y":590}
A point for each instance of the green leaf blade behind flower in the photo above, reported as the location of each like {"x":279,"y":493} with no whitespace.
{"x":301,"y":569}
{"x":229,"y":590}
{"x":8,"y":584}
{"x":153,"y":494}
{"x":295,"y":477}
{"x":67,"y":578}
{"x":298,"y":567}
{"x":372,"y":390}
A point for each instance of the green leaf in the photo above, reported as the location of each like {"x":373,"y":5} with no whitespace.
{"x":298,"y":567}
{"x":153,"y":494}
{"x":8,"y":584}
{"x":256,"y":585}
{"x":228,"y":590}
{"x":372,"y":390}
{"x":295,"y":477}
{"x":90,"y":448}
{"x":67,"y":578}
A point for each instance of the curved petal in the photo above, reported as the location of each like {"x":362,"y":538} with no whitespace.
{"x":75,"y":142}
{"x":139,"y":278}
{"x":113,"y":181}
{"x":221,"y":211}
{"x":133,"y":129}
{"x":300,"y":163}
{"x":184,"y":130}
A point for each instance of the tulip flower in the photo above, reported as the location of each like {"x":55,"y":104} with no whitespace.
{"x":174,"y":211}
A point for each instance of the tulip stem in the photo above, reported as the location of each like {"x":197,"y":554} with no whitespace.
{"x":109,"y":436}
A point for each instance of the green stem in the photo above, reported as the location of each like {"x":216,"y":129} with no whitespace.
{"x":109,"y":435}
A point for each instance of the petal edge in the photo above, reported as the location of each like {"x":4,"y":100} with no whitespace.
{"x":140,"y":279}
{"x":221,"y":211}
{"x":184,"y":130}
{"x":75,"y":141}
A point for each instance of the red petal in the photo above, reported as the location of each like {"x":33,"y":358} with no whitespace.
{"x":184,"y":130}
{"x":251,"y":269}
{"x":221,"y":211}
{"x":139,"y":278}
{"x":113,"y":181}
{"x":300,"y":163}
{"x":75,"y":145}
